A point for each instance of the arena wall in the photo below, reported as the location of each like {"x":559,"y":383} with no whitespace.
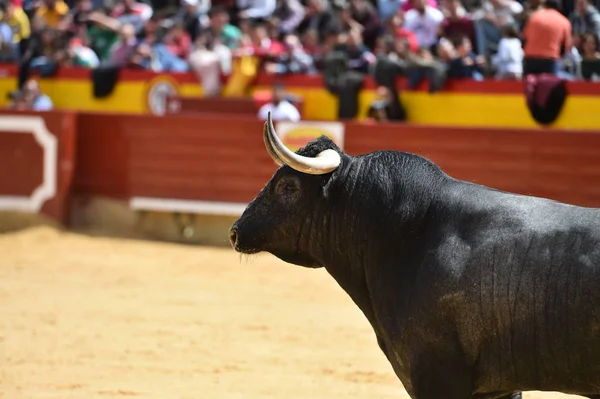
{"x":188,"y":177}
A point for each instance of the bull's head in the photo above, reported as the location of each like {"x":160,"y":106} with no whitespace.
{"x":288,"y":216}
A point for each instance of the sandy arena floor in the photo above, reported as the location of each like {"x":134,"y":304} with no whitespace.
{"x":88,"y":317}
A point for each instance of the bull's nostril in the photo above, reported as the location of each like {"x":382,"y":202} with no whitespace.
{"x":233,"y":236}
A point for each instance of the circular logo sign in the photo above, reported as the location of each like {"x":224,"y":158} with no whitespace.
{"x":157,"y":93}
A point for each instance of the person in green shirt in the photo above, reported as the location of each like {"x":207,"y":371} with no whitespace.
{"x":226,"y":33}
{"x":103,"y":34}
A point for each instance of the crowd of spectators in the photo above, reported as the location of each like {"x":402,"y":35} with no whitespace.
{"x":422,"y":39}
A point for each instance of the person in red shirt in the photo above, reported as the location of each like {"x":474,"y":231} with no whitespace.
{"x":260,"y":43}
{"x":547,"y":36}
{"x":178,"y":41}
{"x":395,"y":28}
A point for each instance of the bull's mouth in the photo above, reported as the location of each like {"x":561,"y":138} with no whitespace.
{"x":247,"y":251}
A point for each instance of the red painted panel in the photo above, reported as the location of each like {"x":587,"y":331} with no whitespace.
{"x":217,"y":158}
{"x":22,"y":164}
{"x":62,"y":126}
{"x":102,"y":156}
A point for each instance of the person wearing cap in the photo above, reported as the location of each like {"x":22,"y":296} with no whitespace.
{"x":279,"y":107}
{"x":547,"y":36}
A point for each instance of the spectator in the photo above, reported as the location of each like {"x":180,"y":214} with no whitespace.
{"x":320,"y":17}
{"x":178,"y":41}
{"x":125,"y":47}
{"x":76,"y":22}
{"x":33,"y":99}
{"x":263,"y":46}
{"x":509,"y":59}
{"x":7,"y":48}
{"x":81,"y":55}
{"x":317,"y":50}
{"x":529,"y":6}
{"x":590,"y":63}
{"x":294,"y":59}
{"x":423,"y":66}
{"x":360,"y":58}
{"x":408,"y":5}
{"x":208,"y":60}
{"x":17,"y":20}
{"x":310,"y":41}
{"x":221,"y":29}
{"x":388,"y":8}
{"x":400,"y":52}
{"x":445,"y":7}
{"x":547,"y":37}
{"x":52,"y":12}
{"x":395,"y":29}
{"x":255,"y":9}
{"x":425,"y":21}
{"x":585,"y":19}
{"x":365,"y":14}
{"x":287,"y":16}
{"x":132,"y":12}
{"x":589,"y":47}
{"x":465,"y":64}
{"x":103,"y":34}
{"x":279,"y":107}
{"x":48,"y":52}
{"x":493,"y":16}
{"x":193,"y":16}
{"x":382,"y":108}
{"x":457,"y":22}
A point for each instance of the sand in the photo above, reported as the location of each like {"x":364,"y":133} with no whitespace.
{"x":92,"y":317}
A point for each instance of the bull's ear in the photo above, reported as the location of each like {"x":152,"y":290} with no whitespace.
{"x":330,"y":186}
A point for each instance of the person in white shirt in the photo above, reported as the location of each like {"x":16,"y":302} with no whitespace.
{"x":509,"y":58}
{"x":279,"y":107}
{"x":424,"y":21}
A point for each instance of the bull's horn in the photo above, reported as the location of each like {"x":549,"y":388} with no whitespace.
{"x":325,"y":162}
{"x":269,"y":146}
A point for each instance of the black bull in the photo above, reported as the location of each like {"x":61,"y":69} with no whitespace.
{"x":471,"y":291}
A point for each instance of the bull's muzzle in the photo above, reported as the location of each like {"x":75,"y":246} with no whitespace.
{"x":233,"y":237}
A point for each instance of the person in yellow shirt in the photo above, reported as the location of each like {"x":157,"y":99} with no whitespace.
{"x":18,"y":21}
{"x":51,"y":12}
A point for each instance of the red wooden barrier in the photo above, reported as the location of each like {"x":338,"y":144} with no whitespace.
{"x":218,"y":158}
{"x":557,"y":164}
{"x":37,"y":154}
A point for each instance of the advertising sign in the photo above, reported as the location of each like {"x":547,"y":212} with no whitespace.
{"x":296,"y":135}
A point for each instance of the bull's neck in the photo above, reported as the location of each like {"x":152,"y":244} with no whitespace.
{"x":375,"y":224}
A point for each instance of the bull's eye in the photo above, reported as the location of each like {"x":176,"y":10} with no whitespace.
{"x":286,"y":187}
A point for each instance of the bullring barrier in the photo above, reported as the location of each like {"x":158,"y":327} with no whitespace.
{"x":193,"y":174}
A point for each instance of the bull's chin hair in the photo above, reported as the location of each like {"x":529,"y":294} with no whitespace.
{"x":249,"y":258}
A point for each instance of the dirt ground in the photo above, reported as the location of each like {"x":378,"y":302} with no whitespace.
{"x":92,"y":317}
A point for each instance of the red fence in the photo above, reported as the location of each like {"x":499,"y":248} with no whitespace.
{"x":217,"y":158}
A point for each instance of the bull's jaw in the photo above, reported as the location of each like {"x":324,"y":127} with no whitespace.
{"x":297,"y":258}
